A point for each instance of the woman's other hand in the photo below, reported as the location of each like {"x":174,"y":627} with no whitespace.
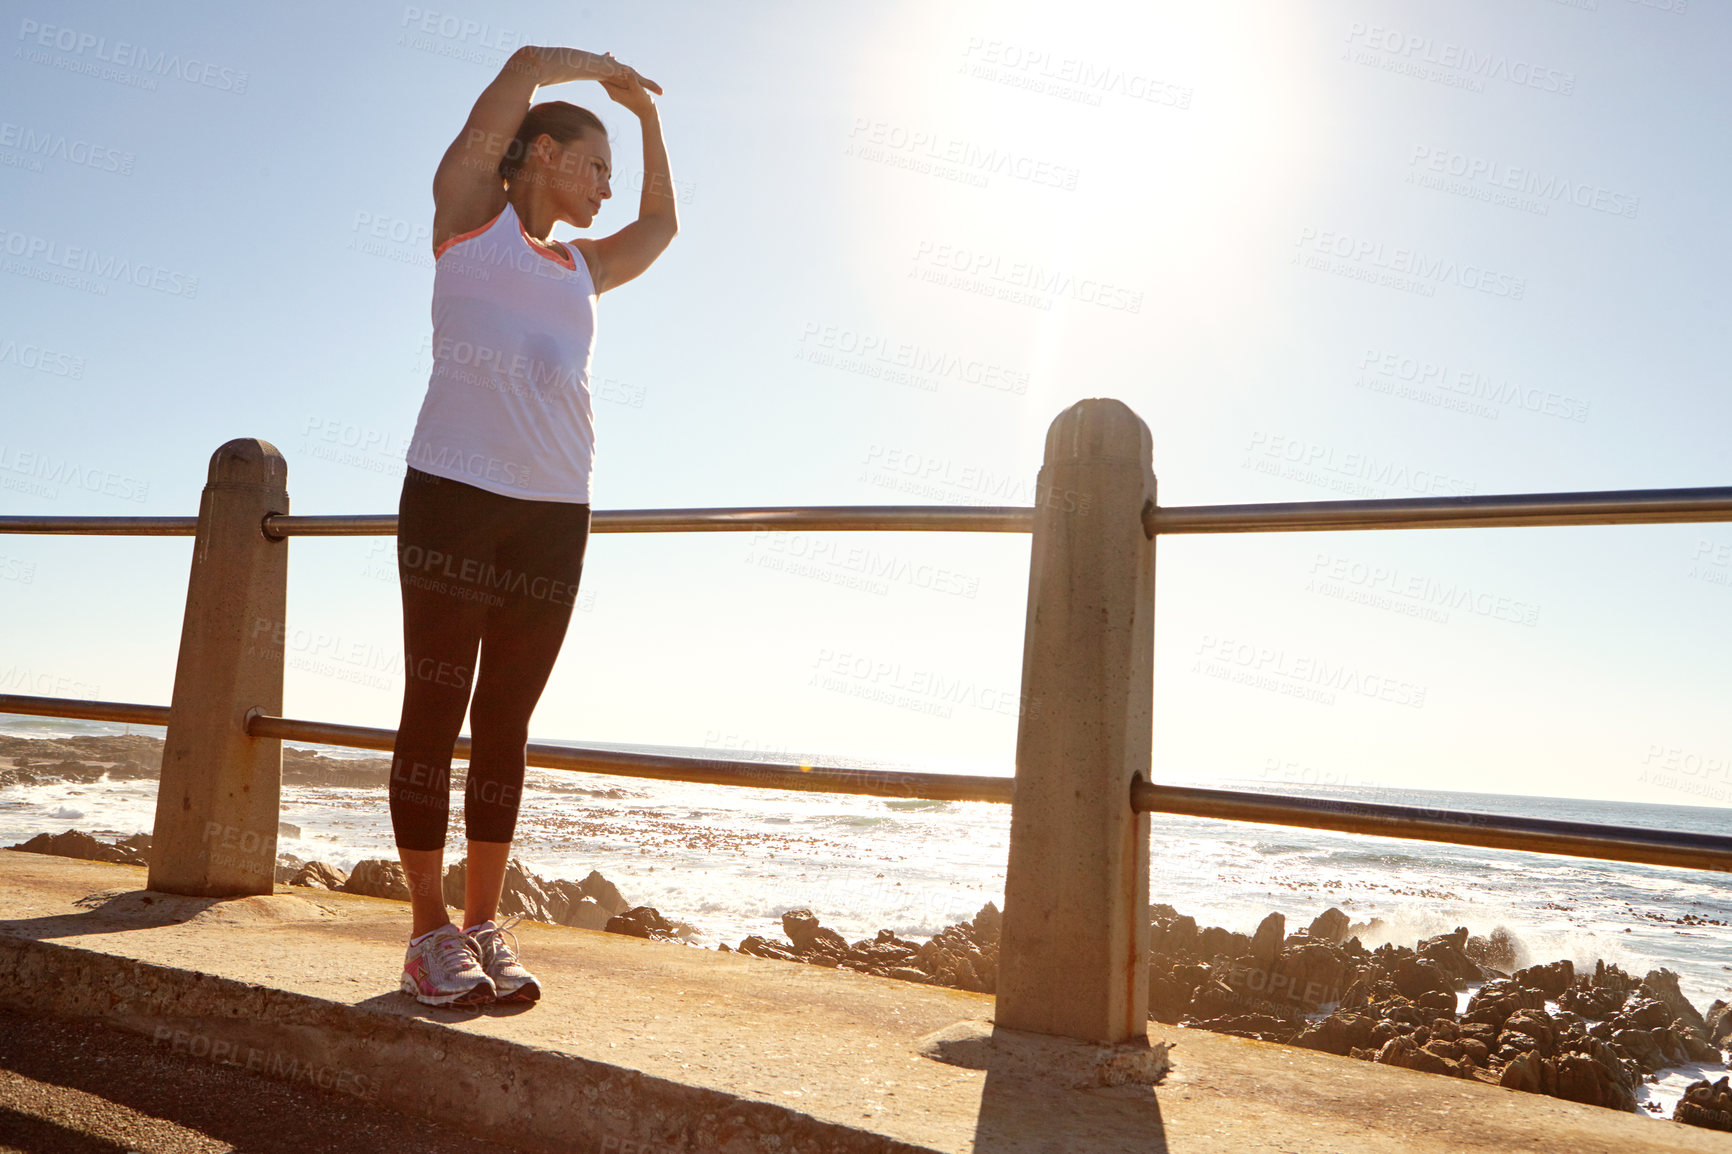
{"x":631,"y":91}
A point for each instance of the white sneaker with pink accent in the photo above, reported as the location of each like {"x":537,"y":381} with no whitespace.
{"x":443,"y":969}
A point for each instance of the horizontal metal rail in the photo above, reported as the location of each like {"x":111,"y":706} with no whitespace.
{"x":121,"y":711}
{"x":103,"y":526}
{"x":1621,"y":843}
{"x":710,"y":771}
{"x":846,"y":518}
{"x":1456,"y":827}
{"x":1622,"y":507}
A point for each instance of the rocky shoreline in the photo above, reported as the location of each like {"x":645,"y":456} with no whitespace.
{"x":1587,"y":1036}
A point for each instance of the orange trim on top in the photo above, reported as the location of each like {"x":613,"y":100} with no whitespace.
{"x":440,"y":251}
{"x":563,"y":260}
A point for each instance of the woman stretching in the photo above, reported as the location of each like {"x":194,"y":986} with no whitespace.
{"x":494,"y":515}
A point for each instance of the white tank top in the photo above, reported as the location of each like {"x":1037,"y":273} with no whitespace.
{"x":507,"y":406}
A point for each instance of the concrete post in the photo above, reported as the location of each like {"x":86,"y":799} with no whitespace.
{"x":1073,"y":951}
{"x":217,"y":806}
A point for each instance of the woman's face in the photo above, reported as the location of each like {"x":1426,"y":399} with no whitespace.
{"x":577,"y":175}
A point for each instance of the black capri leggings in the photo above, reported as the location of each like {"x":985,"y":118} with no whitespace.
{"x":477,"y":571}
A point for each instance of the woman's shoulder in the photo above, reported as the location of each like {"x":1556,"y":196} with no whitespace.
{"x":591,"y":256}
{"x":457,"y":222}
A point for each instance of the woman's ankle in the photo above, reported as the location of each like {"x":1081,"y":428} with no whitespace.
{"x":419,"y":930}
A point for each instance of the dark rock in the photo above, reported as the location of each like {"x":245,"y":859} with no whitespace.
{"x":1263,"y":1027}
{"x":1530,"y":1073}
{"x":1662,"y":985}
{"x":1533,"y":1024}
{"x":78,"y":844}
{"x":1339,"y":1033}
{"x":1719,"y":1022}
{"x":1310,"y":975}
{"x":642,"y":922}
{"x":987,"y":924}
{"x":1643,"y":1014}
{"x":1448,"y":952}
{"x":765,"y":948}
{"x":1174,"y":938}
{"x":585,"y":914}
{"x":1551,"y":980}
{"x":1498,"y":999}
{"x":808,"y":936}
{"x":378,"y":878}
{"x":603,"y":893}
{"x":1414,"y":976}
{"x":319,"y":875}
{"x":1405,"y":1051}
{"x":1266,"y":942}
{"x":1581,"y":1079}
{"x":1215,"y":942}
{"x":1329,"y":926}
{"x":1707,"y":1104}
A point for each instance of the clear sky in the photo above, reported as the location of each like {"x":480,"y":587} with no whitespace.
{"x":1332,"y":249}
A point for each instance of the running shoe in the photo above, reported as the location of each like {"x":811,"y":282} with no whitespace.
{"x":443,"y":969}
{"x":511,"y":981}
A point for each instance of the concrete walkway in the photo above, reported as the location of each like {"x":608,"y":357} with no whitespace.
{"x":641,"y":1047}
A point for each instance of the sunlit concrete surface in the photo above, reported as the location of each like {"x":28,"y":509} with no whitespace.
{"x":680,"y":1049}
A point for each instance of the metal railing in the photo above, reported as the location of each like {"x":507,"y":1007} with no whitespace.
{"x":271,"y":524}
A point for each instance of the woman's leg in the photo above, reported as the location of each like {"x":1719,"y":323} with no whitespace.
{"x":441,"y":525}
{"x":538,"y":566}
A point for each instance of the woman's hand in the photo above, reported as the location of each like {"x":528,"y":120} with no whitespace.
{"x":631,"y":91}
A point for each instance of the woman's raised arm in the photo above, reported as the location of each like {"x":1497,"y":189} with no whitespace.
{"x":467,"y":191}
{"x":628,"y":252}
